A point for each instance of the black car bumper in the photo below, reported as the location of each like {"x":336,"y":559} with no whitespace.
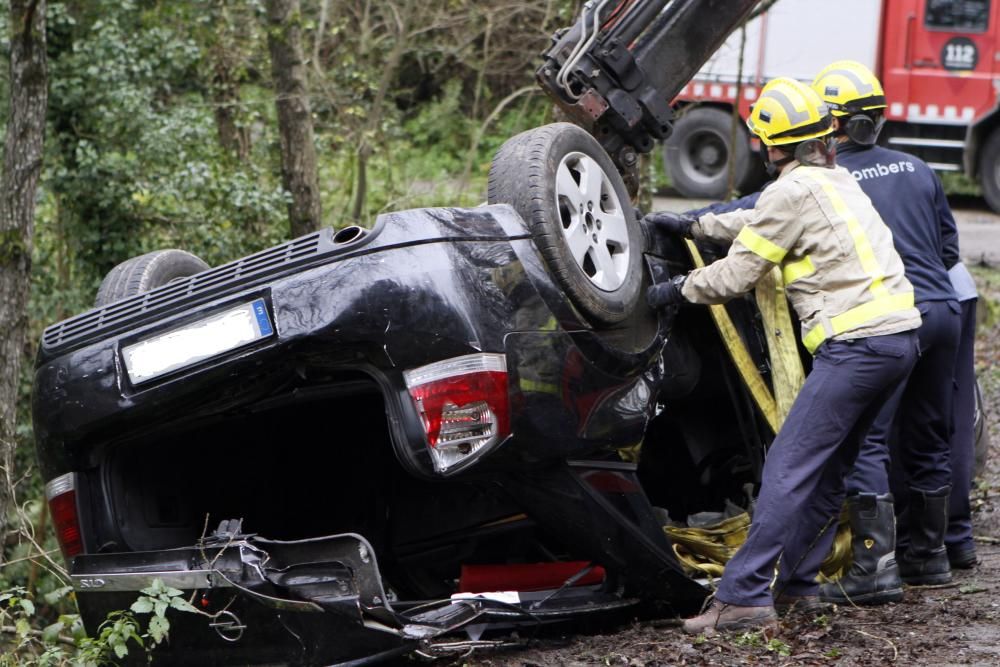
{"x":317,"y":601}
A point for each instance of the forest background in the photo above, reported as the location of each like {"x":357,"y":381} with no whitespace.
{"x":165,"y":127}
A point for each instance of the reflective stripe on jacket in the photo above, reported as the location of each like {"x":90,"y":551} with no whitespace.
{"x":842,"y":274}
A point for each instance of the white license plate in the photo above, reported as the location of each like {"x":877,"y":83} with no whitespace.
{"x":149,"y":359}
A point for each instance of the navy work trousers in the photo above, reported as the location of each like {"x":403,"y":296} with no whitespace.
{"x":802,"y":486}
{"x":962,"y":446}
{"x":963,"y":439}
{"x":920,"y":411}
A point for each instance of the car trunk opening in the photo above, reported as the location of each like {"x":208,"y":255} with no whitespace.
{"x":306,"y":469}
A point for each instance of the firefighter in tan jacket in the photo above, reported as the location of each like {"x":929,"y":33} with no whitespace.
{"x":841,"y":272}
{"x":845,"y":281}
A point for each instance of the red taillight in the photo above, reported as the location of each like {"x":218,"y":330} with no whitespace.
{"x":460,"y":406}
{"x":61,"y":494}
{"x":463,"y":404}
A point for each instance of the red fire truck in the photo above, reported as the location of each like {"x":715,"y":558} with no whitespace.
{"x":939,"y":61}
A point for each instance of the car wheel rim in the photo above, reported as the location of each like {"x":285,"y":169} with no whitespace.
{"x":592,"y":221}
{"x":704,"y":156}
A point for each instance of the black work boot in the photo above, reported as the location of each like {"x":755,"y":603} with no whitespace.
{"x":873,"y":577}
{"x":925,"y":561}
{"x":802,"y":604}
{"x":962,"y":556}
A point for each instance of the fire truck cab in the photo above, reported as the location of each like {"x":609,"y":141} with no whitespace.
{"x":939,"y":62}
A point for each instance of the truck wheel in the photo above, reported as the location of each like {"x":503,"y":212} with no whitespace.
{"x":146,"y":272}
{"x":697,"y":155}
{"x":981,"y":434}
{"x":560,"y":180}
{"x":989,"y":171}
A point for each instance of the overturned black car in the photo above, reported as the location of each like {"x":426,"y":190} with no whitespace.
{"x":336,"y":443}
{"x":362,"y":443}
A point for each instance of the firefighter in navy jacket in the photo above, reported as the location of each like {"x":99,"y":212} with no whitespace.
{"x":911,"y":200}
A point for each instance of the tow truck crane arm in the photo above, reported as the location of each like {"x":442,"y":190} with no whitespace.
{"x":615,"y":71}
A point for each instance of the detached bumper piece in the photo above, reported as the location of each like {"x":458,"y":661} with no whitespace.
{"x":309,"y":602}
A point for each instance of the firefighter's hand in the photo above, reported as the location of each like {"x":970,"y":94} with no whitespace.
{"x":672,"y":224}
{"x":663,"y":295}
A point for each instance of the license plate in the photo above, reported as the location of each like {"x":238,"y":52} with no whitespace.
{"x":187,"y":345}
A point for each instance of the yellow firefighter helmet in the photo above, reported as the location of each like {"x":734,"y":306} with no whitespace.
{"x":848,"y":87}
{"x":788,"y":112}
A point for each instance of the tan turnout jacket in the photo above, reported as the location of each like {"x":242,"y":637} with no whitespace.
{"x":841,"y":271}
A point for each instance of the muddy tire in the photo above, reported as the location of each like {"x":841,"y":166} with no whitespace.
{"x":560,"y":180}
{"x":146,"y":272}
{"x":698,"y":152}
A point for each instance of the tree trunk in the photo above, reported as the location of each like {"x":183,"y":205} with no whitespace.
{"x":298,"y":153}
{"x":22,"y":164}
{"x":390,"y":64}
{"x":225,"y":86}
{"x":734,"y":129}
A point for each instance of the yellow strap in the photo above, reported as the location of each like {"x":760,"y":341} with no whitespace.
{"x":793,"y":271}
{"x":787,"y":374}
{"x":760,"y":246}
{"x":861,"y":243}
{"x":537,"y":386}
{"x":857,"y":316}
{"x":740,"y":355}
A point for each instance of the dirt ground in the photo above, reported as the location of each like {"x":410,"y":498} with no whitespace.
{"x":957,"y":624}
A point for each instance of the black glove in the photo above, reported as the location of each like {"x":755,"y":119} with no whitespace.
{"x":666,"y":294}
{"x":673,"y":224}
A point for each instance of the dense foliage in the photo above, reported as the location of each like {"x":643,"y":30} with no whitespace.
{"x":162,"y":133}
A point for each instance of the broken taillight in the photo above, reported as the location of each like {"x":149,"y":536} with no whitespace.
{"x":61,"y":495}
{"x":463,"y":405}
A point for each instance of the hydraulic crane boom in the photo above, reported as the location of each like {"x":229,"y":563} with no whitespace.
{"x":615,"y":71}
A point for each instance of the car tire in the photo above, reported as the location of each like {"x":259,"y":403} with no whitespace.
{"x":146,"y":272}
{"x":981,"y":434}
{"x":565,"y":186}
{"x":989,"y":171}
{"x":696,"y":155}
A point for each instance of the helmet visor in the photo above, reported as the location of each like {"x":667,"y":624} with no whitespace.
{"x":819,"y":127}
{"x":859,"y":105}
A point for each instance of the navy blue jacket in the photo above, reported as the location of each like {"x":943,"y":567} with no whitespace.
{"x":910,"y":199}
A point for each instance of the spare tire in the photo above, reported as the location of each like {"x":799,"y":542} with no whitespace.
{"x":564,"y":185}
{"x":146,"y":272}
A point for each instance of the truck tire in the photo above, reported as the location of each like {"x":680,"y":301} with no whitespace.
{"x":989,"y":171}
{"x":697,"y":155}
{"x":146,"y":272}
{"x":981,"y":434}
{"x":560,"y":180}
